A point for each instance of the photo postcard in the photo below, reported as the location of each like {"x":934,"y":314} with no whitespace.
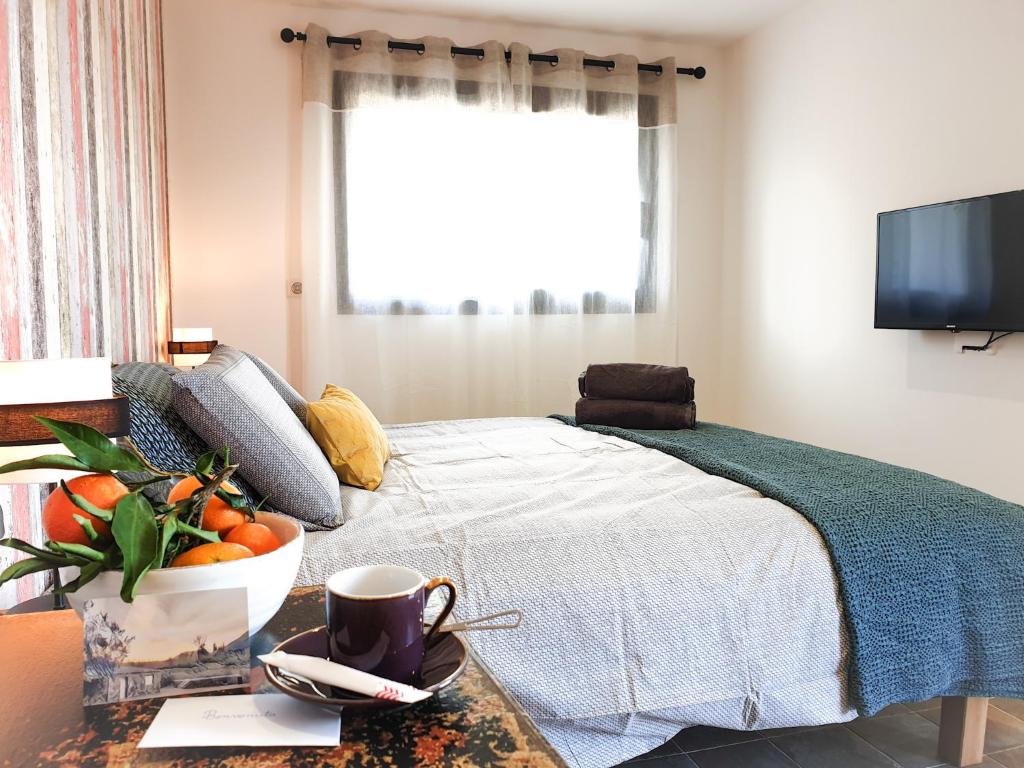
{"x":165,"y":645}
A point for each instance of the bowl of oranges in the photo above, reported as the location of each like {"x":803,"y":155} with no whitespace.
{"x":258,"y":550}
{"x":109,"y":536}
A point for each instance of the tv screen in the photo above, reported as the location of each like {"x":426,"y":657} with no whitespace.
{"x":954,"y":266}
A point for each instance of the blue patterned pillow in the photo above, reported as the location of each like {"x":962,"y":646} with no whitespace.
{"x":156,"y":429}
{"x":158,"y":432}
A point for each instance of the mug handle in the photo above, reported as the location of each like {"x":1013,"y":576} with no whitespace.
{"x":440,"y":581}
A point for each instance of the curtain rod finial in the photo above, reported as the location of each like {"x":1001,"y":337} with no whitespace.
{"x":288,"y":34}
{"x":699,"y":72}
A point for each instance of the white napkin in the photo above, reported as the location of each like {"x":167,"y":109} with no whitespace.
{"x":340,"y":676}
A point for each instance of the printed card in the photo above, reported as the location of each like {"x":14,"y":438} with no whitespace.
{"x":268,"y":720}
{"x":165,"y":645}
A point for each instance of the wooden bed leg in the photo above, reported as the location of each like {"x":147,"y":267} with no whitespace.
{"x":962,"y":730}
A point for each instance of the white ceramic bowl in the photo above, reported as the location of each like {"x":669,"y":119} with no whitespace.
{"x":268,"y":577}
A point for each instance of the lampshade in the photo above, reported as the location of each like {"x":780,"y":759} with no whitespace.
{"x":190,"y":347}
{"x":74,"y":389}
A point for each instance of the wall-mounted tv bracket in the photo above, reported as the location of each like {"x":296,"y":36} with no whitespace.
{"x":992,"y":339}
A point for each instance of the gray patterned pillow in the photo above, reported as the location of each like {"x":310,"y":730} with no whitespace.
{"x":227,"y":401}
{"x":291,"y":398}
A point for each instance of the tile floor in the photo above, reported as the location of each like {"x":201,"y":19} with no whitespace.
{"x":900,"y":736}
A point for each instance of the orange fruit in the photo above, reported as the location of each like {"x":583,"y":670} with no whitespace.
{"x":205,"y":554}
{"x":103,"y":491}
{"x":218,"y":515}
{"x":255,"y":536}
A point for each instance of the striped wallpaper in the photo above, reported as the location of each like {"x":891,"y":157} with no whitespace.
{"x":83,"y":210}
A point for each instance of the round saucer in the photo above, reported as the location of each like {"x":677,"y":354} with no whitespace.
{"x":443,"y":662}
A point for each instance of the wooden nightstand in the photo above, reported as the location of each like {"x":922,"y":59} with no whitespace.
{"x":473,"y":722}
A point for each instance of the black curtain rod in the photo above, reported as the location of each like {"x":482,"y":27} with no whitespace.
{"x":288,"y":35}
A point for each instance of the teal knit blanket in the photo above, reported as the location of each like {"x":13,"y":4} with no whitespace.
{"x":931,"y":573}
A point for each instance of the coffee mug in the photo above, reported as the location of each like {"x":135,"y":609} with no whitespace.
{"x":375,"y":619}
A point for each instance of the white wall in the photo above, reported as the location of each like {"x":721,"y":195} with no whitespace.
{"x":830,"y":114}
{"x":837,"y":111}
{"x":233,"y":129}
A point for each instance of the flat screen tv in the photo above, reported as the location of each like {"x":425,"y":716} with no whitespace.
{"x":955,"y":266}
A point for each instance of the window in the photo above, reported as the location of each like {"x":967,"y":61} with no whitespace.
{"x":445,"y":208}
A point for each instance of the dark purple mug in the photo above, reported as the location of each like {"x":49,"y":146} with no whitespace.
{"x":375,"y":619}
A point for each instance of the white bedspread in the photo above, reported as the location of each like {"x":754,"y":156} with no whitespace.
{"x":654,"y":596}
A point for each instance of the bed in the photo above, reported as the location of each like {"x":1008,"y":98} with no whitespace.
{"x":655,"y":596}
{"x":659,"y":588}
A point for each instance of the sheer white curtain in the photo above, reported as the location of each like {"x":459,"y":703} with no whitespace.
{"x":476,"y":230}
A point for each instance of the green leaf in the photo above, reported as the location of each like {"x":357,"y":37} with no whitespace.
{"x":135,"y":532}
{"x":43,"y":554}
{"x":204,"y":464}
{"x":86,"y":574}
{"x":24,"y":568}
{"x":78,"y":550}
{"x":211,"y":536}
{"x":50,"y":461}
{"x":168,"y":530}
{"x":86,"y":524}
{"x":106,"y":515}
{"x":93,"y":448}
{"x":175,"y":548}
{"x":233,"y":500}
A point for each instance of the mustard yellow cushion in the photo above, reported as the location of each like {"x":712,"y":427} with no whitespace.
{"x":350,"y":437}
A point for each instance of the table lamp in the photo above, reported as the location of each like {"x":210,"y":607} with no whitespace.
{"x":190,"y":347}
{"x":74,"y":389}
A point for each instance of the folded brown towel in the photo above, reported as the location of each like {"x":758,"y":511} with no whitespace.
{"x":636,"y":414}
{"x":637,"y":381}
